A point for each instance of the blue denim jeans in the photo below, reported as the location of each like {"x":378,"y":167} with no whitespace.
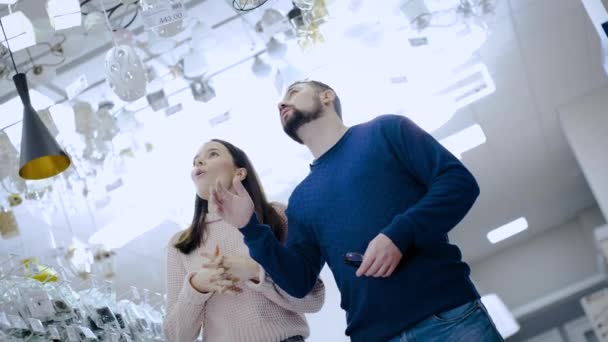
{"x":467,"y":323}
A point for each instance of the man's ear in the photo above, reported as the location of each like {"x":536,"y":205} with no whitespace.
{"x":328,"y":96}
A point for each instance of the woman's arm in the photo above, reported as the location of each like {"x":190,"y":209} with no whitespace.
{"x":313,"y":302}
{"x":185,"y":305}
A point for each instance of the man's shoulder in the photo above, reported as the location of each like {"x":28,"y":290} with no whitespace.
{"x":380,"y":123}
{"x":384,"y":119}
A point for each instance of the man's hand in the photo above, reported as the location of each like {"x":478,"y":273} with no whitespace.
{"x":237,"y":268}
{"x":380,"y":259}
{"x":212,"y":277}
{"x":236,"y":209}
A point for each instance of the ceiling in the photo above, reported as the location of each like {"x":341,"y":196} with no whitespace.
{"x":541,"y":54}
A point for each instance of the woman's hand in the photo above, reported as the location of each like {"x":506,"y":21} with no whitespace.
{"x":213,"y":280}
{"x":241,"y":268}
{"x":236,"y":268}
{"x":212,"y":277}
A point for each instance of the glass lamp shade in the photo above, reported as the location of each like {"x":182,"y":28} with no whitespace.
{"x":125,"y":73}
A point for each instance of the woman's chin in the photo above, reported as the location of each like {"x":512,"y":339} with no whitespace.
{"x":203,"y":194}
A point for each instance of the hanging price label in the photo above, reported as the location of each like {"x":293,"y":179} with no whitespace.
{"x":163,"y":13}
{"x":77,"y":87}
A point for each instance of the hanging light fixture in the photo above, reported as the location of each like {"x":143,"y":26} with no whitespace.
{"x":41,"y":155}
{"x":125,"y":73}
{"x":64,"y":14}
{"x":260,"y":68}
{"x":20,"y":31}
{"x":276,"y":49}
{"x":195,"y":63}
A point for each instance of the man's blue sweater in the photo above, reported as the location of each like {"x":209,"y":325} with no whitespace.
{"x":385,"y":176}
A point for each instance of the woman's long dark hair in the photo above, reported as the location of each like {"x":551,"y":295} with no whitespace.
{"x":196,"y":234}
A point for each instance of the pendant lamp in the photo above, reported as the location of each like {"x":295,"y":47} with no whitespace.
{"x":41,"y":155}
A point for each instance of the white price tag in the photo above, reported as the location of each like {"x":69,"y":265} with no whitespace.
{"x":77,"y":87}
{"x":72,"y":334}
{"x":39,"y":304}
{"x":88,"y":334}
{"x":113,"y":337}
{"x":37,"y":326}
{"x":163,"y":13}
{"x":218,"y":119}
{"x":5,"y":324}
{"x":17,"y":322}
{"x":54,"y":334}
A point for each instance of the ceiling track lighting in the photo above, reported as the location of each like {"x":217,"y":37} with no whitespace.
{"x":202,"y":90}
{"x":41,"y":155}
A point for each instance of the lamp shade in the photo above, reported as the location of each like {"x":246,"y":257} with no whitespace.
{"x":41,"y":155}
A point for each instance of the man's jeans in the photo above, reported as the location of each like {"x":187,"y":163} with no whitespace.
{"x":467,"y":323}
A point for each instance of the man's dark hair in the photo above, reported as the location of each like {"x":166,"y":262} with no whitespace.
{"x":320,"y":86}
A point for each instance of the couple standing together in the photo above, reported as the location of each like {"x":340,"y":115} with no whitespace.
{"x":377,"y":206}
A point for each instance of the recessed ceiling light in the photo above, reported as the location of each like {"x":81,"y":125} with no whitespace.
{"x":508,"y":230}
{"x":464,"y":140}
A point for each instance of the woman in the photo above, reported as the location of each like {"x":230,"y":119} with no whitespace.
{"x":212,"y":283}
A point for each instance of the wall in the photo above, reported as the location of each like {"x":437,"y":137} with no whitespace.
{"x":585,"y":124}
{"x":553,"y":260}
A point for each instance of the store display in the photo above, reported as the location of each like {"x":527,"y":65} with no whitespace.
{"x":107,"y":141}
{"x":8,"y":224}
{"x":31,"y":310}
{"x":595,"y":306}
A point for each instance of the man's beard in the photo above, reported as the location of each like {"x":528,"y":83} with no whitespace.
{"x":298,"y":119}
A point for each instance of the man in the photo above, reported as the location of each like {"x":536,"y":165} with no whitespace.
{"x":385,"y":189}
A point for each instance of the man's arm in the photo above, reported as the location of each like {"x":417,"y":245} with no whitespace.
{"x":451,"y":188}
{"x":295,"y":266}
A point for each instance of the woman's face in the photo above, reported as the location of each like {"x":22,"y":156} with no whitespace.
{"x":212,"y":162}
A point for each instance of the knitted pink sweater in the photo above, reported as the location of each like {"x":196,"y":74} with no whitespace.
{"x":261,"y":313}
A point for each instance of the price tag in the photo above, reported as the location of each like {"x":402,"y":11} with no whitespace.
{"x":17,"y":322}
{"x":88,"y":334}
{"x":54,"y":334}
{"x":39,"y":304}
{"x":72,"y":334}
{"x":113,"y":337}
{"x":37,"y":326}
{"x":218,"y":119}
{"x":5,"y":324}
{"x":77,"y":87}
{"x":163,"y":13}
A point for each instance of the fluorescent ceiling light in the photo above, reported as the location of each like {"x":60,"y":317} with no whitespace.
{"x":64,"y":13}
{"x":468,"y":85}
{"x":464,"y":140}
{"x":504,"y":320}
{"x":508,"y":230}
{"x":19,"y":31}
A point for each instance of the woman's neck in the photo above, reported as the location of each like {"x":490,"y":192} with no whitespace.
{"x":211,"y":207}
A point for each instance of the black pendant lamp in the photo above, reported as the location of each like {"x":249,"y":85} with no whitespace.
{"x":41,"y":155}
